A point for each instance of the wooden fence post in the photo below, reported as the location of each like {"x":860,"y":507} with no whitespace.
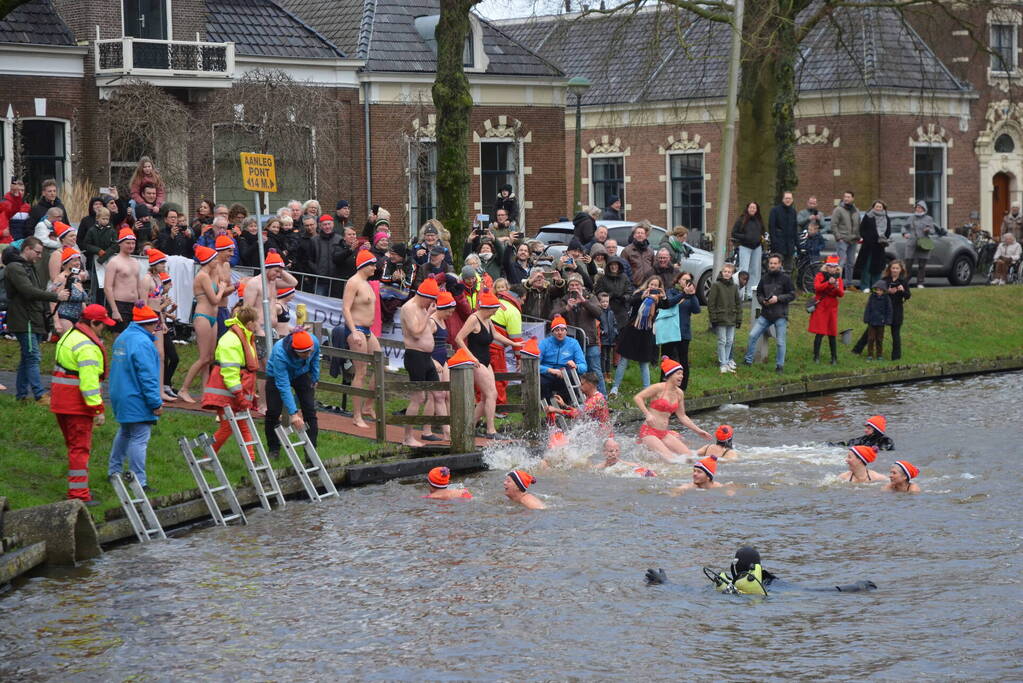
{"x":531,"y":417}
{"x":463,"y":403}
{"x":379,"y":368}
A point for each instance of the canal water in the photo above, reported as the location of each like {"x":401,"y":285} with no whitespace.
{"x":384,"y":585}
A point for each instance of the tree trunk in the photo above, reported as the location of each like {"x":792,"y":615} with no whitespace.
{"x":453,"y":101}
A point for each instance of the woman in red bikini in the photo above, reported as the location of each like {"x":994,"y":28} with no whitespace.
{"x":665,"y":398}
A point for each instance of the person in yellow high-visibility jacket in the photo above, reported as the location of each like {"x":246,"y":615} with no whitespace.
{"x":232,"y":381}
{"x":508,"y":321}
{"x":75,"y":394}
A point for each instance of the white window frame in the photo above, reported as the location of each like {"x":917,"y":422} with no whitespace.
{"x":669,"y":218}
{"x":7,"y":137}
{"x":941,"y":220}
{"x":589,"y":181}
{"x":413,"y":206}
{"x":520,"y":187}
{"x":67,"y":143}
{"x":1013,"y":50}
{"x":480,"y":59}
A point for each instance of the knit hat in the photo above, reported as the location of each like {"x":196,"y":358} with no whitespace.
{"x":430,"y":230}
{"x":724,"y":433}
{"x":522,"y":479}
{"x":877,"y":422}
{"x":341,"y":204}
{"x":69,"y":254}
{"x":165,"y":277}
{"x":461,"y":359}
{"x":382,"y":221}
{"x":438,"y":251}
{"x":439,"y":477}
{"x":62,"y":229}
{"x":125,"y":234}
{"x":557,"y":440}
{"x":468,"y":273}
{"x":143,"y":315}
{"x":669,"y":366}
{"x":325,"y":218}
{"x":240,"y":290}
{"x":156,"y":257}
{"x":531,"y":348}
{"x":365,"y":257}
{"x":223,"y":243}
{"x":383,"y":215}
{"x":866,"y":454}
{"x":204,"y":254}
{"x":94,"y":312}
{"x":399,"y":250}
{"x":273,"y":259}
{"x":301,"y":341}
{"x":489,"y":300}
{"x":558,"y":322}
{"x":908,"y":469}
{"x":429,"y":289}
{"x":285,"y":292}
{"x":708,"y":465}
{"x":380,"y":236}
{"x":445,"y":300}
{"x":832,"y":260}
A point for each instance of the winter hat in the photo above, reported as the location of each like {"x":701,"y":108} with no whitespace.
{"x":832,"y":260}
{"x":612,"y":199}
{"x":531,"y":348}
{"x":204,"y":254}
{"x":488,"y":300}
{"x":445,"y":300}
{"x":669,"y":366}
{"x":69,"y":254}
{"x":575,"y":245}
{"x":866,"y":454}
{"x":273,"y":259}
{"x":399,"y":249}
{"x":439,"y":477}
{"x":558,"y":322}
{"x":468,"y":273}
{"x":142,"y":211}
{"x":380,"y":236}
{"x":877,"y":422}
{"x":143,"y":315}
{"x":461,"y":359}
{"x":125,"y":234}
{"x":438,"y":251}
{"x":724,"y":433}
{"x":908,"y":469}
{"x":342,"y":204}
{"x":326,"y":218}
{"x":430,"y":230}
{"x":364,"y":258}
{"x":708,"y":465}
{"x":284,"y":292}
{"x":166,"y":278}
{"x":429,"y":289}
{"x":62,"y":229}
{"x":301,"y":341}
{"x":156,"y":257}
{"x":382,"y":221}
{"x":522,"y":479}
{"x":94,"y":312}
{"x":223,"y":243}
{"x":557,"y":440}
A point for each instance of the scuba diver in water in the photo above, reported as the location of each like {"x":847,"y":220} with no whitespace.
{"x":873,"y":435}
{"x":857,"y":458}
{"x":746,"y":576}
{"x":901,"y":476}
{"x":722,"y":450}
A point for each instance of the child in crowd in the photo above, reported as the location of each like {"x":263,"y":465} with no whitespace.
{"x":813,"y":241}
{"x":725,"y":315}
{"x":608,"y":334}
{"x":876,"y":315}
{"x":743,"y":278}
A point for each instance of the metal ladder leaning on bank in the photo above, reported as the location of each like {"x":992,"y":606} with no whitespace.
{"x":575,"y":390}
{"x":124,"y":494}
{"x":303,"y":472}
{"x":204,"y":443}
{"x":262,"y":462}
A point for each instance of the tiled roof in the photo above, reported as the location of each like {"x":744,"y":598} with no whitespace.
{"x":261,"y":28}
{"x":383,"y":33}
{"x":666,"y":54}
{"x":35,"y":23}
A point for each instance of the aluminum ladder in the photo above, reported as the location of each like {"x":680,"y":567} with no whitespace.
{"x":559,"y":419}
{"x":298,"y":461}
{"x":262,"y":463}
{"x":145,"y":531}
{"x":575,"y":390}
{"x":209,"y":456}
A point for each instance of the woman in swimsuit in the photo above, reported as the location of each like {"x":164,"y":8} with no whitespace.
{"x":281,"y":312}
{"x":210,"y":294}
{"x":152,"y":285}
{"x":857,"y":458}
{"x":437,"y":401}
{"x":476,"y":336}
{"x":901,"y":476}
{"x":665,"y":398}
{"x":722,"y":450}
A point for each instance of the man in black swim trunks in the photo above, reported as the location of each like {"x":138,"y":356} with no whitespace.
{"x":418,"y":336}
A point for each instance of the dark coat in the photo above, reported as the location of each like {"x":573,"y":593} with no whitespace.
{"x":585,"y":315}
{"x":784,"y":230}
{"x":633,"y":343}
{"x":748,"y":233}
{"x":585,"y":226}
{"x":611,"y":215}
{"x":509,"y":204}
{"x":40,"y":208}
{"x":878,"y":311}
{"x":898,"y":298}
{"x":775,"y":283}
{"x":640,"y":258}
{"x":723,"y":304}
{"x":26,"y":300}
{"x":321,"y":250}
{"x":874,"y":243}
{"x":175,"y":245}
{"x":619,"y":288}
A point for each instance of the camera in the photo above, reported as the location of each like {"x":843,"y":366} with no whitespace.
{"x":569,"y":261}
{"x":76,"y":271}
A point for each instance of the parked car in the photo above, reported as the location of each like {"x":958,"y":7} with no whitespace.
{"x":953,"y":255}
{"x":699,"y":262}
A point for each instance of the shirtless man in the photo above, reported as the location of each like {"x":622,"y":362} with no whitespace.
{"x":418,"y":335}
{"x":358,"y":308}
{"x":122,"y":284}
{"x":703,"y":477}
{"x":277,"y":278}
{"x":439,"y":479}
{"x":515,"y":485}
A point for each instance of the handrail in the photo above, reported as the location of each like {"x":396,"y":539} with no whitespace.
{"x":148,"y":56}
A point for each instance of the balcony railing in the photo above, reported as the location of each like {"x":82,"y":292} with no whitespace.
{"x":143,"y":57}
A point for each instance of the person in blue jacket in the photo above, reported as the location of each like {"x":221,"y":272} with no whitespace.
{"x":294,"y":364}
{"x":135,"y":393}
{"x":672,"y":328}
{"x":557,"y":352}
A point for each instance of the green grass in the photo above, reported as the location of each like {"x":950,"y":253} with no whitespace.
{"x":33,"y":459}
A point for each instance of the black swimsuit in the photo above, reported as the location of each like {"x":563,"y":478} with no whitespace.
{"x":479,"y":343}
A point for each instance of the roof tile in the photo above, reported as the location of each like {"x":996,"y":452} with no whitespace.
{"x":35,"y":23}
{"x":261,"y":28}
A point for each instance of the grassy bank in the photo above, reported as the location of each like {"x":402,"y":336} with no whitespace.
{"x":33,"y":459}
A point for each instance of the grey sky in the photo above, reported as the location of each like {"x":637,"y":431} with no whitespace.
{"x":507,"y":9}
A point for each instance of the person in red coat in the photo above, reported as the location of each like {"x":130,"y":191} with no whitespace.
{"x":828,"y":289}
{"x":14,"y":212}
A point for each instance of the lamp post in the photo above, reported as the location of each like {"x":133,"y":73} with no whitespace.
{"x":578,"y":86}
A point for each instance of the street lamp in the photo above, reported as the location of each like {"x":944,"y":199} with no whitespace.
{"x":578,"y":86}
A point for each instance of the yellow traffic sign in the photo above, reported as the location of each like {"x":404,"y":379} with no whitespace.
{"x":258,"y":172}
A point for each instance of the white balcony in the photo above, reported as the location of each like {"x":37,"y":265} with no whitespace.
{"x":168,"y":63}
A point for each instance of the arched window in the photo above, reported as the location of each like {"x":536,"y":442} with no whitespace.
{"x":1004,"y":144}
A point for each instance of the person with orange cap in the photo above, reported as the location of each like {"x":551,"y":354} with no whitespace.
{"x":156,"y":299}
{"x":557,"y":352}
{"x":170,"y":352}
{"x":704,"y":472}
{"x":901,"y":476}
{"x":417,"y":332}
{"x":874,"y":434}
{"x":68,"y":237}
{"x":857,"y":458}
{"x":294,"y":364}
{"x":210,"y":293}
{"x":232,"y":382}
{"x":276,"y":277}
{"x":666,"y":398}
{"x":594,"y":404}
{"x":439,"y":479}
{"x":437,"y":401}
{"x":135,"y":393}
{"x":67,"y":313}
{"x":121,"y":282}
{"x":475,"y":338}
{"x":722,"y":449}
{"x":359,"y":310}
{"x":516,"y":484}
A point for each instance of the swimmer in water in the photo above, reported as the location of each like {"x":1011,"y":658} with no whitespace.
{"x":747,"y":576}
{"x":666,"y":398}
{"x":873,"y":435}
{"x":515,"y":485}
{"x":611,"y":452}
{"x":439,"y":478}
{"x":722,"y":450}
{"x":857,"y":458}
{"x":901,"y":476}
{"x":703,"y":477}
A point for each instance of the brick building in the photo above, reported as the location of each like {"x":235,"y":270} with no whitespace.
{"x":371,"y":61}
{"x":880,"y":112}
